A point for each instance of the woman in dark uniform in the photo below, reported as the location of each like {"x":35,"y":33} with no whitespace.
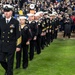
{"x":26,"y":37}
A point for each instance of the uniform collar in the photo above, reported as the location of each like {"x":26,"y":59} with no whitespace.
{"x":8,"y":19}
{"x":30,"y":21}
{"x":22,"y":26}
{"x":36,"y":20}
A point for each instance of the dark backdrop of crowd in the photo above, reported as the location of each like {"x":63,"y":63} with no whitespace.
{"x":59,"y":6}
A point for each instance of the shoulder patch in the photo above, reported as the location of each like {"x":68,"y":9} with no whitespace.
{"x":33,"y":22}
{"x":26,"y":27}
{"x":26,"y":21}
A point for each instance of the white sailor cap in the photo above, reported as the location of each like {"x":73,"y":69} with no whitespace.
{"x":54,"y":13}
{"x":7,"y":7}
{"x":37,"y":14}
{"x":32,"y":6}
{"x":51,"y":14}
{"x":30,"y":14}
{"x":22,"y":17}
{"x":46,"y":12}
{"x":40,"y":12}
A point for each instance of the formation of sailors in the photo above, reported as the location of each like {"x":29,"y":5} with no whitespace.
{"x":38,"y":31}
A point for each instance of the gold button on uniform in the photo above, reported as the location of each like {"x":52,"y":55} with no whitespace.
{"x":3,"y":36}
{"x":8,"y":36}
{"x":8,"y":32}
{"x":3,"y":32}
{"x":7,"y":41}
{"x":2,"y":40}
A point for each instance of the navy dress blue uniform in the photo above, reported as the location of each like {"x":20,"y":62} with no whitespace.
{"x":26,"y":36}
{"x":47,"y":31}
{"x":43,"y":28}
{"x":0,"y":50}
{"x":44,"y":31}
{"x":2,"y":60}
{"x":38,"y":40}
{"x":34,"y":30}
{"x":10,"y":40}
{"x":56,"y":23}
{"x":52,"y":29}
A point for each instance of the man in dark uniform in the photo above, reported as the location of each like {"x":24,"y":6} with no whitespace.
{"x":47,"y":18}
{"x":2,"y":61}
{"x":38,"y":40}
{"x":10,"y":38}
{"x":52,"y":26}
{"x":43,"y":29}
{"x":34,"y":30}
{"x":56,"y":23}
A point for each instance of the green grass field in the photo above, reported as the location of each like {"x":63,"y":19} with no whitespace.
{"x":57,"y":59}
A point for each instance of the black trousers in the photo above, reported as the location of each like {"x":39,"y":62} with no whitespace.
{"x":67,"y":34}
{"x":38,"y":44}
{"x":7,"y":62}
{"x":55,"y":34}
{"x":3,"y":61}
{"x":48,"y":38}
{"x":52,"y":36}
{"x":32,"y":47}
{"x":43,"y":42}
{"x":25,"y":57}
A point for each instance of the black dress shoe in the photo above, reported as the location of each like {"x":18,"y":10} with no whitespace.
{"x":25,"y":66}
{"x":17,"y":67}
{"x":31,"y":59}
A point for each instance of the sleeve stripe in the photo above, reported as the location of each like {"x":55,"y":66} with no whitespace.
{"x":19,"y":40}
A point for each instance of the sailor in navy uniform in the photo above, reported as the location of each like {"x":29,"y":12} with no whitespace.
{"x":47,"y":29}
{"x":34,"y":30}
{"x":26,"y":37}
{"x":43,"y":28}
{"x":10,"y":38}
{"x":38,"y":40}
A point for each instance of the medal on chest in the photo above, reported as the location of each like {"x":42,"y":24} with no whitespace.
{"x":11,"y":31}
